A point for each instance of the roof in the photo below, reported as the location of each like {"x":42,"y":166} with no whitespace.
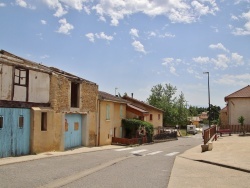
{"x":138,"y":109}
{"x":224,"y":109}
{"x":142,"y":104}
{"x":242,"y":93}
{"x":9,"y":58}
{"x":109,"y":97}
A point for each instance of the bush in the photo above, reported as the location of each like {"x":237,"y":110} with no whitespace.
{"x":134,"y":124}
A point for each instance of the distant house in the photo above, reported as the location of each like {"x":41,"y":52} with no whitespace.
{"x":238,"y":104}
{"x":112,"y":110}
{"x":43,"y":108}
{"x":195,"y":120}
{"x":203,"y":116}
{"x":144,"y":112}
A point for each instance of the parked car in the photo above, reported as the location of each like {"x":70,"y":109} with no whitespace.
{"x":191,"y":129}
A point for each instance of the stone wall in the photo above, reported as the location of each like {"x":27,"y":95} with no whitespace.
{"x":59,"y":93}
{"x":89,"y":94}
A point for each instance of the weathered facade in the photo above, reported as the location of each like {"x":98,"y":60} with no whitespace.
{"x":112,"y":110}
{"x":145,"y":112}
{"x":59,"y":105}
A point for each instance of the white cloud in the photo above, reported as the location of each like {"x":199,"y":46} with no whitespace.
{"x":172,"y":70}
{"x":218,"y":46}
{"x":179,"y":11}
{"x":44,"y":56}
{"x":233,"y":17}
{"x":43,"y":22}
{"x":221,"y":61}
{"x":2,"y":4}
{"x":91,"y":37}
{"x":167,"y":35}
{"x":167,"y":60}
{"x":236,"y":80}
{"x":55,"y":4}
{"x":134,"y":32}
{"x":24,"y":4}
{"x":101,"y":35}
{"x":237,"y":59}
{"x":245,"y":29}
{"x":138,"y":46}
{"x":201,"y":60}
{"x":65,"y":27}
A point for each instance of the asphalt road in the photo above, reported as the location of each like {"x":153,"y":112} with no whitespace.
{"x":142,"y":166}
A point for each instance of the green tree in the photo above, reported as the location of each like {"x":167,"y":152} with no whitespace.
{"x":241,"y":120}
{"x":163,"y":97}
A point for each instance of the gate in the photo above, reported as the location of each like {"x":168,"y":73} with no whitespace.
{"x":14,"y":132}
{"x":73,"y":131}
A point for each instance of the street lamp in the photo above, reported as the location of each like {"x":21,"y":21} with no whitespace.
{"x":208,"y":97}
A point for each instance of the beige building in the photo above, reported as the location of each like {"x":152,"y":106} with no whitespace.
{"x":112,"y":110}
{"x":145,"y":112}
{"x":238,"y":104}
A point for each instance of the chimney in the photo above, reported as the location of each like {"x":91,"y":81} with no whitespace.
{"x":132,"y":95}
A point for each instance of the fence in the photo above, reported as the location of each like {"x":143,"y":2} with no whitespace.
{"x":209,"y":133}
{"x":129,"y":141}
{"x":236,"y":128}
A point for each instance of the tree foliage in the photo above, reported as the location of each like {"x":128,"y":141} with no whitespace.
{"x":174,"y":107}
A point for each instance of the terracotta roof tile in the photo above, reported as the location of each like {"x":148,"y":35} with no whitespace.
{"x":242,"y":93}
{"x":109,"y":97}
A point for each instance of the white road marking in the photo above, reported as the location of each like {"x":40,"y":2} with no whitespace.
{"x":124,"y":149}
{"x":153,"y":153}
{"x":138,"y":151}
{"x":172,"y":154}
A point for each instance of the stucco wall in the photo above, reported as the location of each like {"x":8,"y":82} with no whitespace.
{"x":39,"y":84}
{"x":155,"y":120}
{"x":223,"y":118}
{"x":50,"y":140}
{"x":238,"y":107}
{"x":115,"y":121}
{"x":5,"y":82}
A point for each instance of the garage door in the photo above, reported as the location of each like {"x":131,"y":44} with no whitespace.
{"x":14,"y":132}
{"x":73,"y":131}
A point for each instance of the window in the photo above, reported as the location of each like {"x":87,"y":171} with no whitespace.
{"x":107,"y":112}
{"x":44,"y":121}
{"x":21,"y":77}
{"x":151,"y":117}
{"x":159,"y":116}
{"x":1,"y":122}
{"x":121,"y":111}
{"x":74,"y":95}
{"x":21,"y":121}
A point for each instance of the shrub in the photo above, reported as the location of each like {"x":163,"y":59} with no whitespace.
{"x":134,"y":124}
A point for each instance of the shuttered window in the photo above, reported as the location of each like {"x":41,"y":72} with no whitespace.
{"x":107,"y":112}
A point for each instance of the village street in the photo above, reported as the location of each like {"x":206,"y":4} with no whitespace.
{"x":142,"y":166}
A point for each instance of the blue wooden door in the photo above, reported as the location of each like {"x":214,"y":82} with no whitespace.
{"x":73,"y":131}
{"x":14,"y":132}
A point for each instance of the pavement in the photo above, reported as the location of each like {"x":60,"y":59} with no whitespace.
{"x":227,"y":165}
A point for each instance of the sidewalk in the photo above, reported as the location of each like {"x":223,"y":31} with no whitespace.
{"x":9,"y":160}
{"x":227,"y":165}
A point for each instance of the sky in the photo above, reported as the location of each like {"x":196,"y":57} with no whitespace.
{"x":129,"y":46}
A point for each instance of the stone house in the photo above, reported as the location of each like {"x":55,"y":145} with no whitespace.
{"x":145,"y":112}
{"x":43,"y":108}
{"x":237,"y":105}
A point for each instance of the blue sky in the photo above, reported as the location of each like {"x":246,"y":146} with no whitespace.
{"x":133,"y":45}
